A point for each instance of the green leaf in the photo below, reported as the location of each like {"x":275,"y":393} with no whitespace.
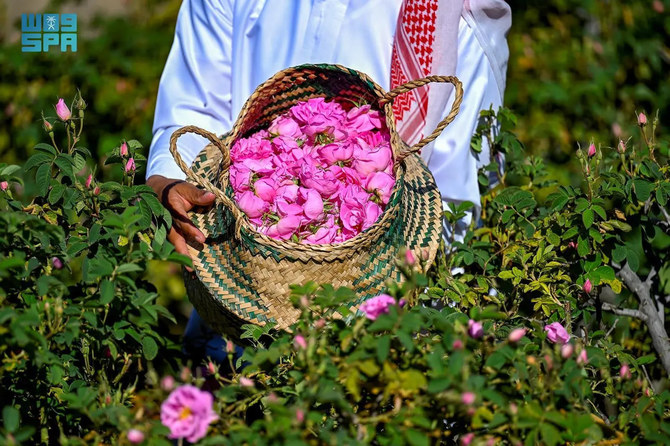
{"x":37,"y":160}
{"x":383,"y":347}
{"x":56,"y":193}
{"x":149,"y":348}
{"x":642,"y":189}
{"x":647,"y":359}
{"x":43,"y":178}
{"x":587,"y":218}
{"x":10,"y":418}
{"x":106,"y":292}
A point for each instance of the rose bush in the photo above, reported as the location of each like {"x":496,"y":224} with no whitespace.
{"x":500,"y":343}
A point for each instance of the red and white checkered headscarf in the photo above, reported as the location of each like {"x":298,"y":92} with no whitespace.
{"x":426,"y":42}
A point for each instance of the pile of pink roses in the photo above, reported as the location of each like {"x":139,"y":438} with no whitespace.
{"x":319,"y":174}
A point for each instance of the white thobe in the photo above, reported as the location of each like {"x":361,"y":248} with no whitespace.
{"x":223,"y":49}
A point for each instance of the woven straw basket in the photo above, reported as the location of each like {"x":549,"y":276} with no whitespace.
{"x":243,"y":276}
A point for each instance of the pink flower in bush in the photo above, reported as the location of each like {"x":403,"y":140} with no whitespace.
{"x":167,"y":383}
{"x":475,"y":329}
{"x":582,"y":358}
{"x":592,"y":150}
{"x":566,"y":350}
{"x":468,"y":398}
{"x":88,"y":180}
{"x":377,"y":306}
{"x":409,"y":257}
{"x":62,"y":110}
{"x":467,"y":439}
{"x":556,"y":333}
{"x":130,"y":165}
{"x":621,"y":147}
{"x":300,"y":342}
{"x":641,"y":119}
{"x":516,"y":334}
{"x":4,"y":185}
{"x":588,"y":286}
{"x":246,"y":382}
{"x":57,"y":263}
{"x":624,"y":372}
{"x":47,"y":125}
{"x":123,"y":150}
{"x":299,"y":416}
{"x":187,"y":412}
{"x":135,"y":436}
{"x":457,"y":345}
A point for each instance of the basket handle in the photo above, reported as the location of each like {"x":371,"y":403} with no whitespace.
{"x":404,"y":88}
{"x":202,"y":181}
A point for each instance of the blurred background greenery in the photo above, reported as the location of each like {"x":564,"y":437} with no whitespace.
{"x":579,"y":71}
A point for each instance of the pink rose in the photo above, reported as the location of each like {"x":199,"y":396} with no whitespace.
{"x":285,"y":227}
{"x":323,"y":181}
{"x":381,"y":185}
{"x":285,"y":126}
{"x":89,"y":180}
{"x":256,"y":146}
{"x":187,"y":412}
{"x":377,"y":306}
{"x":336,"y":152}
{"x":261,"y":166}
{"x":556,"y":333}
{"x":246,"y":382}
{"x":363,"y":119}
{"x":4,"y":185}
{"x":322,"y":236}
{"x":588,"y":286}
{"x":346,"y":175}
{"x":167,"y":383}
{"x":358,"y":217}
{"x":467,"y":439}
{"x":251,"y":205}
{"x":63,"y":112}
{"x":373,"y":159}
{"x":624,"y":372}
{"x":316,"y":115}
{"x":582,"y":358}
{"x":311,"y":202}
{"x":475,"y":329}
{"x":240,"y":177}
{"x":266,"y":189}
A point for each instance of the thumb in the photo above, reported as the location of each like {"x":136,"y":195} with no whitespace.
{"x":198,"y":197}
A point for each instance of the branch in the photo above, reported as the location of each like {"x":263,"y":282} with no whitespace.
{"x":654,"y":323}
{"x":630,"y":312}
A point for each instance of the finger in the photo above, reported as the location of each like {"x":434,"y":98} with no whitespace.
{"x":195,"y":196}
{"x":188,"y":230}
{"x":179,"y":210}
{"x":179,"y":244}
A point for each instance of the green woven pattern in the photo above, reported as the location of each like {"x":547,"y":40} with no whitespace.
{"x":245,"y":279}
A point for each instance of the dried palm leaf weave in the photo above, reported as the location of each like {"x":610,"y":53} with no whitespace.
{"x":242,"y":276}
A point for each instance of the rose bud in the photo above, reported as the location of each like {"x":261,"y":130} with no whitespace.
{"x":641,"y":119}
{"x":167,"y":383}
{"x":583,"y":358}
{"x":130,"y":165}
{"x":300,"y":342}
{"x":457,"y":345}
{"x":211,"y":368}
{"x":230,"y":347}
{"x":123,"y":151}
{"x":96,"y":191}
{"x":624,"y":372}
{"x":409,"y":257}
{"x":135,"y":436}
{"x":592,"y":150}
{"x":588,"y":286}
{"x":475,"y":329}
{"x":567,"y":350}
{"x":62,"y":111}
{"x":246,"y":382}
{"x":299,"y":416}
{"x":468,"y":398}
{"x":516,"y":335}
{"x":47,"y":125}
{"x":4,"y":185}
{"x":89,"y":180}
{"x":57,"y":263}
{"x":621,"y":147}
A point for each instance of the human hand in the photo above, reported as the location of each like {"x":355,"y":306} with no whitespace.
{"x":179,"y":197}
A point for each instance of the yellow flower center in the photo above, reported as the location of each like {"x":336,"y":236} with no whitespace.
{"x":185,"y":413}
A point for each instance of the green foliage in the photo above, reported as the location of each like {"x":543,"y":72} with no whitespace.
{"x":579,"y":70}
{"x":78,"y":323}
